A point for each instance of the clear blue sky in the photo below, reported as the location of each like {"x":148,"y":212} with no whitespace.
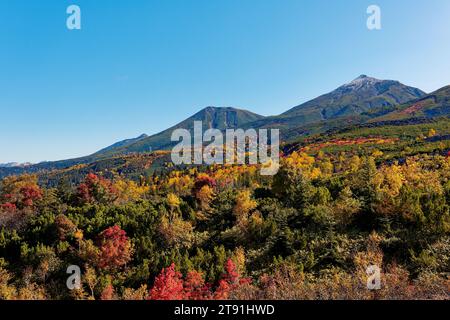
{"x":141,"y":66}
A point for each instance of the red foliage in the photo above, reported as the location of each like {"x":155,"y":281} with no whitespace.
{"x":115,"y":248}
{"x":83,"y":193}
{"x":96,"y":188}
{"x":23,"y":197}
{"x":8,"y":207}
{"x":30,"y":194}
{"x":230,"y":281}
{"x":168,"y":285}
{"x":231,"y":274}
{"x":195,"y":287}
{"x":107,"y":293}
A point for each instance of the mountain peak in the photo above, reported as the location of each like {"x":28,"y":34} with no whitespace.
{"x":223,"y":117}
{"x":360,"y":95}
{"x":219,"y":109}
{"x":363,"y":80}
{"x":363,"y":76}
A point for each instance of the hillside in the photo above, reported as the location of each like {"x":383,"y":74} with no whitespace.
{"x":435,"y":104}
{"x":122,"y":144}
{"x":375,"y":193}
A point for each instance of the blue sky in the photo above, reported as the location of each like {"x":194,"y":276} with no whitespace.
{"x":141,"y":66}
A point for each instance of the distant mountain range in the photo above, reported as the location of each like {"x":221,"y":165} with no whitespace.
{"x":352,"y":99}
{"x":363,"y":100}
{"x":15,"y":164}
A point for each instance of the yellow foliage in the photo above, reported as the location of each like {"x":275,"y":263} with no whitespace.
{"x":326,"y":167}
{"x":354,"y":163}
{"x":432,"y":133}
{"x":173,"y":201}
{"x":420,"y":178}
{"x":239,"y":259}
{"x":13,"y":184}
{"x":377,"y":153}
{"x":303,"y":163}
{"x":78,"y":235}
{"x":205,"y":195}
{"x":244,"y":205}
{"x":389,"y":180}
{"x":128,"y":190}
{"x":176,"y":232}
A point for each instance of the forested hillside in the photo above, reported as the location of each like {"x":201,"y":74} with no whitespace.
{"x":140,"y":228}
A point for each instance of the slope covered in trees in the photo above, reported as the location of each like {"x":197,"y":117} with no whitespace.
{"x":339,"y":203}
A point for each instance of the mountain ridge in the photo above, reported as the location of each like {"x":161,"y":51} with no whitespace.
{"x":435,"y":104}
{"x":350,"y":104}
{"x":212,"y":117}
{"x":359,"y":95}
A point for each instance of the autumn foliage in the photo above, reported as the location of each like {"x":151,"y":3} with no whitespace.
{"x":20,"y":192}
{"x":170,"y":285}
{"x":115,"y":248}
{"x":96,"y":189}
{"x":335,"y":207}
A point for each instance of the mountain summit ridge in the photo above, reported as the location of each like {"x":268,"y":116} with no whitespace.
{"x":360,"y":95}
{"x":211,"y":117}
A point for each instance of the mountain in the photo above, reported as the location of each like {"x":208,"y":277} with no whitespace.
{"x":351,"y":104}
{"x":352,"y":99}
{"x":15,"y":164}
{"x":122,"y":143}
{"x":212,"y":117}
{"x":362,"y":94}
{"x":435,"y":104}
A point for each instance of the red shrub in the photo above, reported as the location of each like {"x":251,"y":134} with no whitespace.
{"x":96,"y":189}
{"x":115,"y":248}
{"x":8,"y":207}
{"x":195,"y":287}
{"x":168,"y":285}
{"x":230,"y":281}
